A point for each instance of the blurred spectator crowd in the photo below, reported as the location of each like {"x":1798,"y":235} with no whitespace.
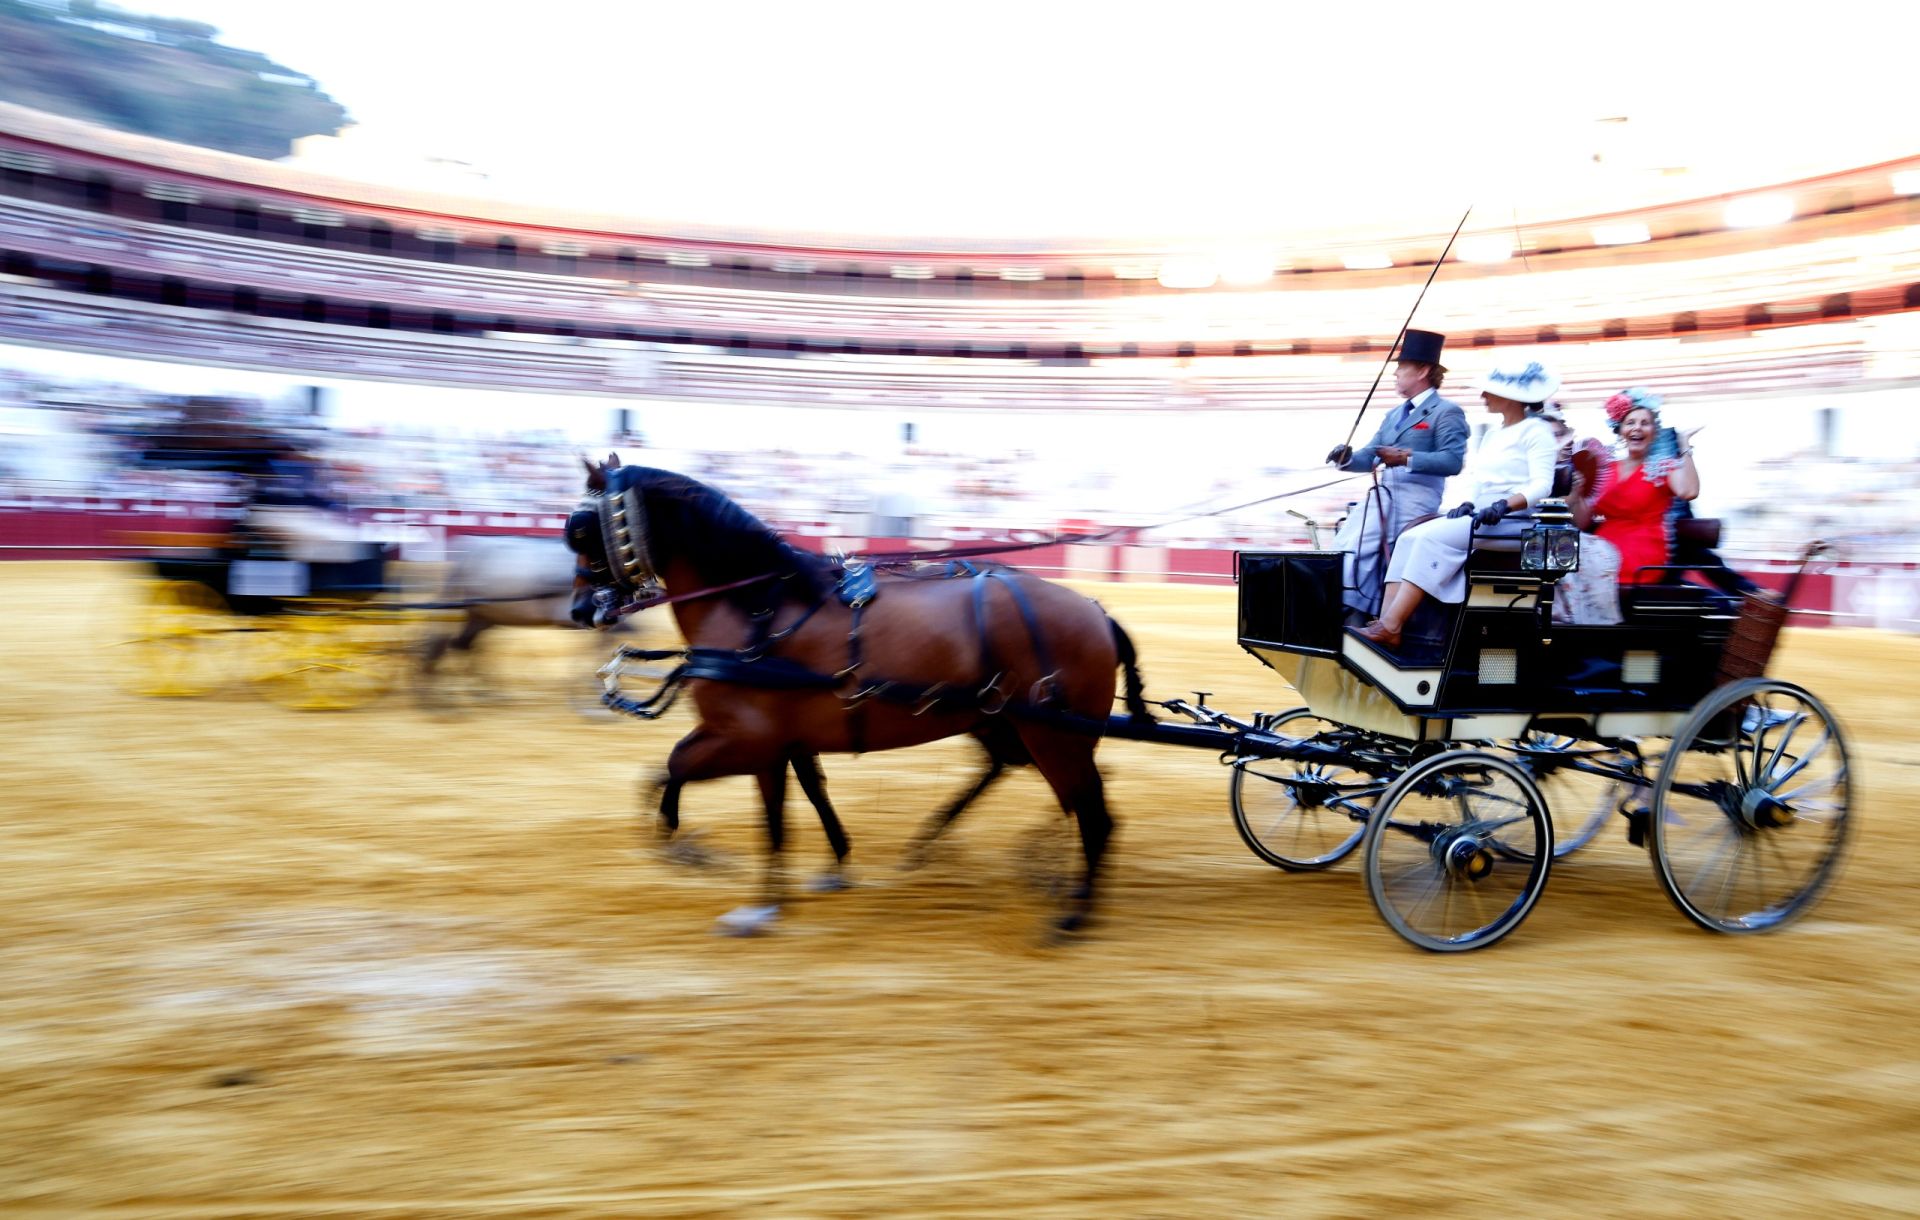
{"x":65,"y":439}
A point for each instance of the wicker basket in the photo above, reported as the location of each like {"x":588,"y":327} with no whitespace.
{"x":1750,"y":646}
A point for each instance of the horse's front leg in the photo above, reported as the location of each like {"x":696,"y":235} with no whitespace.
{"x":806,"y":769}
{"x":750,"y":920}
{"x":676,"y":847}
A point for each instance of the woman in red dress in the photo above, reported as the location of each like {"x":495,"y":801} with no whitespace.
{"x":1626,"y":502}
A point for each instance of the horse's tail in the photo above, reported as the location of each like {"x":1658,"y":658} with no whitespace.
{"x":1136,"y":697}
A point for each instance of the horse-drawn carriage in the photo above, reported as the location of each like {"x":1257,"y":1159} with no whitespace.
{"x":1435,"y":759}
{"x":1494,"y":741}
{"x":311,"y":636}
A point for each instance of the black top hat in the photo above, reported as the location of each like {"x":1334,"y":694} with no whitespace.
{"x":1421,"y":346}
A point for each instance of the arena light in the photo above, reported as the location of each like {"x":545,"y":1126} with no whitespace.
{"x":687,"y":258}
{"x":1758,"y":211}
{"x":793,"y":266}
{"x":1487,"y":248}
{"x":1023,"y":275}
{"x":1188,"y":273}
{"x":1135,"y":271}
{"x":1907,"y":182}
{"x":1627,"y":233}
{"x":910,"y":271}
{"x":1367,"y":260}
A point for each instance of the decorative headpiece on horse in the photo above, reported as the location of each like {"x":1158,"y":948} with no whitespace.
{"x":608,"y":530}
{"x":1634,"y":398}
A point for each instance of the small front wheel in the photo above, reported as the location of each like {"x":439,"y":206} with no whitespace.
{"x":1458,"y":850}
{"x":1301,"y":816}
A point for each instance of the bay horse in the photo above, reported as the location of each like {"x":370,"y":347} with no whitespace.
{"x":519,"y":581}
{"x":791,"y":655}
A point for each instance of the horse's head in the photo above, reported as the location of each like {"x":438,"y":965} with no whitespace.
{"x":608,"y":533}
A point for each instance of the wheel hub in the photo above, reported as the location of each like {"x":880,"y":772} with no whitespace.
{"x":1312,"y":792}
{"x":1762,"y":810}
{"x":1465,"y":858}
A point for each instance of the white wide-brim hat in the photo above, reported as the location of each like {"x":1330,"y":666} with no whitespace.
{"x":1520,"y":380}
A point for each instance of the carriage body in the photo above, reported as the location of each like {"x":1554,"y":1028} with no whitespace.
{"x":1492,"y":667}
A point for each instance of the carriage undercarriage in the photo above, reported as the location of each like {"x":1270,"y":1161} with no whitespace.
{"x":310,"y":637}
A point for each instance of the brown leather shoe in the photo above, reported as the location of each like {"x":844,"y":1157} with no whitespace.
{"x":1379,"y":633}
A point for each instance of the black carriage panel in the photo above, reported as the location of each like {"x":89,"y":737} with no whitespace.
{"x":254,"y":584}
{"x":1291,"y":600}
{"x":1503,"y":660}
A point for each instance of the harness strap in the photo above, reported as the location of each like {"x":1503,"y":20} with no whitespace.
{"x":765,"y":640}
{"x":1046,"y":691}
{"x":856,"y":707}
{"x":771,"y":673}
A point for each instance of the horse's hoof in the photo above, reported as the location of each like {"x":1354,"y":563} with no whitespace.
{"x":689,"y":854}
{"x":1072,"y":923}
{"x":747,"y":921}
{"x":829,"y":883}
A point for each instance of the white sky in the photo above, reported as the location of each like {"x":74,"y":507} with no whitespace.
{"x":1204,"y":119}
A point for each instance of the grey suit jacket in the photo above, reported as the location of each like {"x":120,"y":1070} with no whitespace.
{"x":1437,"y":433}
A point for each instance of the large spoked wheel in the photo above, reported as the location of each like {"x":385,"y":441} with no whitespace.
{"x":1751,"y":810}
{"x":1443,"y":861}
{"x":180,"y":649}
{"x":1301,"y":816}
{"x":1579,"y":801}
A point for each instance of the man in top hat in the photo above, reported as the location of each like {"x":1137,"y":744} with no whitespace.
{"x":1419,"y":444}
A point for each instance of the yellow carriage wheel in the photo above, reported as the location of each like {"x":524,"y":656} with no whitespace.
{"x":182,"y":646}
{"x":332,"y":656}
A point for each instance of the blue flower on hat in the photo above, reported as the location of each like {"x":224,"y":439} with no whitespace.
{"x":1534,"y":371}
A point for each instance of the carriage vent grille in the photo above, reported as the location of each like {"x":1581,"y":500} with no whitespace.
{"x":1499,"y":666}
{"x":1640,"y":668}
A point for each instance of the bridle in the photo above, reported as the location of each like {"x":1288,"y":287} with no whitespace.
{"x":608,"y":531}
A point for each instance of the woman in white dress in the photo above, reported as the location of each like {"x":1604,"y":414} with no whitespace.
{"x":1511,"y":472}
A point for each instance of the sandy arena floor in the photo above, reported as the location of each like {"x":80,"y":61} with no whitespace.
{"x":263,"y":963}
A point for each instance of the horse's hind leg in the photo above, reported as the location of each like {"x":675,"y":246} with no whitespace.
{"x":922,"y":841}
{"x":806,"y":769}
{"x":1066,"y":759}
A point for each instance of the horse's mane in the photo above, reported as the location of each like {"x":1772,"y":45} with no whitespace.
{"x":721,"y":540}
